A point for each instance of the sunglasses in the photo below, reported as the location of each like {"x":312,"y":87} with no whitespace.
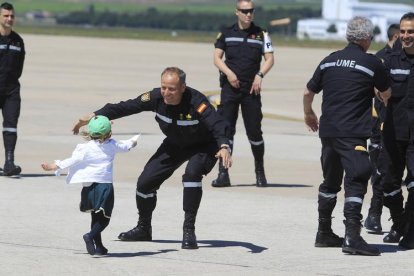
{"x":246,"y":11}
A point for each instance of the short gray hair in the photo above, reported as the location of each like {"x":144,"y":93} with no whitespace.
{"x":175,"y":70}
{"x":359,"y":28}
{"x":239,"y":1}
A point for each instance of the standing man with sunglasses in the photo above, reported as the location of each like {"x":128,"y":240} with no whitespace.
{"x":12,"y":54}
{"x":241,"y":75}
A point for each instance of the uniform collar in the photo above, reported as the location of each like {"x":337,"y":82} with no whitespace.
{"x":354,"y":46}
{"x":404,"y":56}
{"x":237,"y":28}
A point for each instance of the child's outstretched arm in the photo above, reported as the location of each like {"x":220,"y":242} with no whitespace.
{"x":131,"y":141}
{"x":135,"y":140}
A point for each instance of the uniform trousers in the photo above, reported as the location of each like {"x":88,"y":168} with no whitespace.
{"x":251,"y":109}
{"x":201,"y":160}
{"x":395,"y":157}
{"x":377,"y":190}
{"x":374,"y":149}
{"x":10,"y":106}
{"x":339,"y":155}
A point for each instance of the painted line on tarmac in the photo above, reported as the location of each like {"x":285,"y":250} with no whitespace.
{"x":38,"y":246}
{"x":211,"y":94}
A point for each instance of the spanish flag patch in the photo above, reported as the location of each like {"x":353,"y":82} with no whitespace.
{"x":201,"y":108}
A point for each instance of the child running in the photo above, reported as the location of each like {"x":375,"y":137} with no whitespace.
{"x":91,"y":164}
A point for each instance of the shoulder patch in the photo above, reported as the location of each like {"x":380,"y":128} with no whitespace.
{"x":201,"y":108}
{"x":219,"y":35}
{"x":145,"y":97}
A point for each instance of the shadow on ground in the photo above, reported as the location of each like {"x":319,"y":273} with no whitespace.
{"x":252,"y":248}
{"x":275,"y":185}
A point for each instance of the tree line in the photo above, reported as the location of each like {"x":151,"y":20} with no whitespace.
{"x":184,"y":20}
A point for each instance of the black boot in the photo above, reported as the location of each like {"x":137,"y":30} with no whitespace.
{"x":261,"y":180}
{"x":10,"y":168}
{"x":325,"y":237}
{"x":354,"y":243}
{"x":223,"y":178}
{"x":373,"y":224}
{"x":395,"y":204}
{"x":189,"y":237}
{"x":392,"y":237}
{"x":373,"y":221}
{"x":408,"y":240}
{"x":396,"y":230}
{"x":408,"y":232}
{"x":141,"y":232}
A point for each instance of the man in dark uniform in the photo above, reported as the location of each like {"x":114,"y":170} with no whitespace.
{"x":12,"y":54}
{"x":241,"y":76}
{"x":373,"y":221}
{"x":194,"y":131}
{"x":348,"y":78}
{"x":398,"y":151}
{"x":393,"y":34}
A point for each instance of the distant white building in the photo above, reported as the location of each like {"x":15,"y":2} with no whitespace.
{"x":336,"y":13}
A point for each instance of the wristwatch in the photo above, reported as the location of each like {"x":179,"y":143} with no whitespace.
{"x":260,"y":74}
{"x":226,"y":147}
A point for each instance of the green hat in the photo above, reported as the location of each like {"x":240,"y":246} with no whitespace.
{"x":99,"y":126}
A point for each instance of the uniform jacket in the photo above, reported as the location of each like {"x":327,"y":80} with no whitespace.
{"x":399,"y":116}
{"x":384,"y":52}
{"x":244,"y":49}
{"x":193,"y":122}
{"x":348,"y":78}
{"x":12,"y":54}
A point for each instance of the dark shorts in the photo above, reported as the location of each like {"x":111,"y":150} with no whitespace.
{"x":98,"y":197}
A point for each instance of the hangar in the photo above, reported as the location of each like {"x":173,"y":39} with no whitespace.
{"x":336,"y":13}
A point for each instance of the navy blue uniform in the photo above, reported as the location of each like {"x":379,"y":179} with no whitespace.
{"x":194,"y":132}
{"x":12,"y":55}
{"x":347,"y":78}
{"x":398,"y":135}
{"x":374,"y":149}
{"x":243,"y":54}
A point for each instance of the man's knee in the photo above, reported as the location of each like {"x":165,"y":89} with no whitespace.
{"x":146,"y":187}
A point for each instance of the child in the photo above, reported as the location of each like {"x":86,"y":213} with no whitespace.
{"x":91,"y":164}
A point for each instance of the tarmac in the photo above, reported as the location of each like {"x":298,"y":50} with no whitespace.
{"x":241,"y":230}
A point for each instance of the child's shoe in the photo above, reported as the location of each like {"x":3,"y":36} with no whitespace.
{"x":90,"y":245}
{"x":101,"y":250}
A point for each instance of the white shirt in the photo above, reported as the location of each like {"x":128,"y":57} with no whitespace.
{"x":92,"y":161}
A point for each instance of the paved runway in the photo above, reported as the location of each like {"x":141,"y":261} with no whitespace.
{"x":241,"y":230}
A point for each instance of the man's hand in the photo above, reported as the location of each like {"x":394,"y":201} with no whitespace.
{"x":225,"y":156}
{"x":49,"y":167}
{"x":83,"y":121}
{"x":311,"y":120}
{"x":383,"y":96}
{"x":233,"y":80}
{"x":257,"y":85}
